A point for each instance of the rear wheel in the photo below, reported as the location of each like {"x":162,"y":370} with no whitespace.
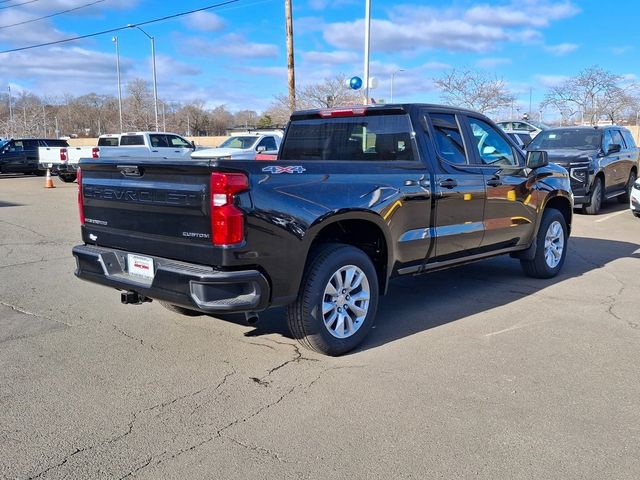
{"x":178,"y":309}
{"x":627,"y":195}
{"x":39,"y":173}
{"x":67,"y":177}
{"x":596,"y":198}
{"x":551,"y":246}
{"x":337,"y":301}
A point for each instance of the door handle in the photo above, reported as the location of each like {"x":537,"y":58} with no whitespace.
{"x":448,"y":183}
{"x":494,"y":181}
{"x":154,"y":151}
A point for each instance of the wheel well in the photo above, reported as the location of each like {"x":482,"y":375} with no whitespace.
{"x":564,"y":207}
{"x":363,"y":234}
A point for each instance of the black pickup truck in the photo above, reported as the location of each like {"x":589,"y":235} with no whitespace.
{"x":357,"y":196}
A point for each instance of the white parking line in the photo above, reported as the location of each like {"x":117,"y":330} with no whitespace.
{"x":608,"y":217}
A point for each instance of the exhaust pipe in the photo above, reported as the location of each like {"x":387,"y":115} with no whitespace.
{"x":133,"y":298}
{"x":251,"y":317}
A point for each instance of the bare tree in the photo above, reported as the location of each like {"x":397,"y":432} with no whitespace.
{"x":592,"y":94}
{"x":474,"y":90}
{"x":333,"y":92}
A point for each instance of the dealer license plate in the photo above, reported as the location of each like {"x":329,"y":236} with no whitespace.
{"x":140,"y":266}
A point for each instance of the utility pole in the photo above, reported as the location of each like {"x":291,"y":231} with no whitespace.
{"x":44,"y":121}
{"x":155,"y":77}
{"x":115,"y":40}
{"x":530,"y":97}
{"x":290,"y":60}
{"x":367,"y":44}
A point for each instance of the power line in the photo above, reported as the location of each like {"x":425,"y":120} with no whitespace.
{"x":117,"y":29}
{"x":19,"y":4}
{"x":51,"y":15}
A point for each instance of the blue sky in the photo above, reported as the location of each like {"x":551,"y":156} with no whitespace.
{"x":236,"y":55}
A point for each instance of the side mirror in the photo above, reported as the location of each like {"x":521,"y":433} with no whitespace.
{"x":261,"y":149}
{"x":537,"y":159}
{"x":193,"y":145}
{"x":614,"y":148}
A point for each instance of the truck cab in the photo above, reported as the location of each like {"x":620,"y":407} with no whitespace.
{"x":21,"y":155}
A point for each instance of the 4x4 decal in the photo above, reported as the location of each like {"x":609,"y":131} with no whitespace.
{"x":276,"y":169}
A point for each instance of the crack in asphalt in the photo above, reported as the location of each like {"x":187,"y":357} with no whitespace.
{"x":31,"y":314}
{"x":23,"y":228}
{"x":136,"y":470}
{"x":135,"y":339}
{"x":32,"y":262}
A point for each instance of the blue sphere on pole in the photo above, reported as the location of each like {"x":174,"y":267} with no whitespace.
{"x":355,"y":83}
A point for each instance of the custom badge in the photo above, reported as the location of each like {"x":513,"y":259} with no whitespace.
{"x":276,"y":170}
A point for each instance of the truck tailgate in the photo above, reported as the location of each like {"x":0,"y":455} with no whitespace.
{"x":157,"y":208}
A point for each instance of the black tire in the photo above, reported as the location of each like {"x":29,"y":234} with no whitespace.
{"x":636,"y":214}
{"x":306,"y":317}
{"x":538,"y":267}
{"x":597,"y":197}
{"x":39,"y":173}
{"x":181,"y":310}
{"x":67,"y":177}
{"x":627,"y":195}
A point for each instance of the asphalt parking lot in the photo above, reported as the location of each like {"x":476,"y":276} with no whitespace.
{"x":475,"y":372}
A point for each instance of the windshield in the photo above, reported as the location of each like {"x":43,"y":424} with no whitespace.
{"x":238,"y":142}
{"x":578,"y":138}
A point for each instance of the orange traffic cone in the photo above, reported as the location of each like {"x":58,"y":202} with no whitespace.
{"x":48,"y":182}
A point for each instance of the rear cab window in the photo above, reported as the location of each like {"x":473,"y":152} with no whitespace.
{"x":131,"y":140}
{"x":108,"y":141}
{"x":628,"y":138}
{"x":376,"y":136}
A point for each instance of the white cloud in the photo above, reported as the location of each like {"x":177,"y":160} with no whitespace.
{"x":233,"y":45}
{"x":204,"y":22}
{"x":271,"y":71}
{"x":338,"y":57}
{"x":436,"y":66}
{"x":481,"y":28}
{"x":621,"y":50}
{"x":324,"y":4}
{"x":549,"y":81}
{"x":492,"y":62}
{"x":561,"y":48}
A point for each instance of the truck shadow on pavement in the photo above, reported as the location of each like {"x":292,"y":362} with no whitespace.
{"x":419,"y":303}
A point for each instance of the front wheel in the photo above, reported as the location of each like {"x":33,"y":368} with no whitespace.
{"x":67,"y":177}
{"x":596,"y":198}
{"x":337,"y":301}
{"x":551,"y":246}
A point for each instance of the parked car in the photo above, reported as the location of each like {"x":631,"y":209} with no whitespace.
{"x":634,"y":202}
{"x":243,"y":147}
{"x":157,"y":145}
{"x":530,"y":127}
{"x":357,"y":196}
{"x":21,"y":155}
{"x":602,"y":162}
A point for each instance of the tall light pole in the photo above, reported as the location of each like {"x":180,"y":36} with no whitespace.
{"x":115,"y":40}
{"x":393,"y":75}
{"x":10,"y":112}
{"x":367,"y":45}
{"x":155,"y":78}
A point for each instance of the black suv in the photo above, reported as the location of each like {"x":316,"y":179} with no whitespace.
{"x":602,"y":162}
{"x":21,"y":155}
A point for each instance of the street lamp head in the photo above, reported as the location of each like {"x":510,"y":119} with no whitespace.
{"x":114,"y":39}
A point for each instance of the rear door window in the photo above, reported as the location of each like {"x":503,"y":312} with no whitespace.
{"x":177,"y":142}
{"x":357,"y":138}
{"x":158,"y":141}
{"x":628,"y":138}
{"x":269,"y":143}
{"x":448,"y":138}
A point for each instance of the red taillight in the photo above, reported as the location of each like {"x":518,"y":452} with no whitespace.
{"x":227,"y":221}
{"x":95,"y":152}
{"x":343,"y":112}
{"x":63,"y":154}
{"x":80,"y":197}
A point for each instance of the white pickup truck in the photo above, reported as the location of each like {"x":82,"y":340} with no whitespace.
{"x":243,"y":146}
{"x":151,"y":145}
